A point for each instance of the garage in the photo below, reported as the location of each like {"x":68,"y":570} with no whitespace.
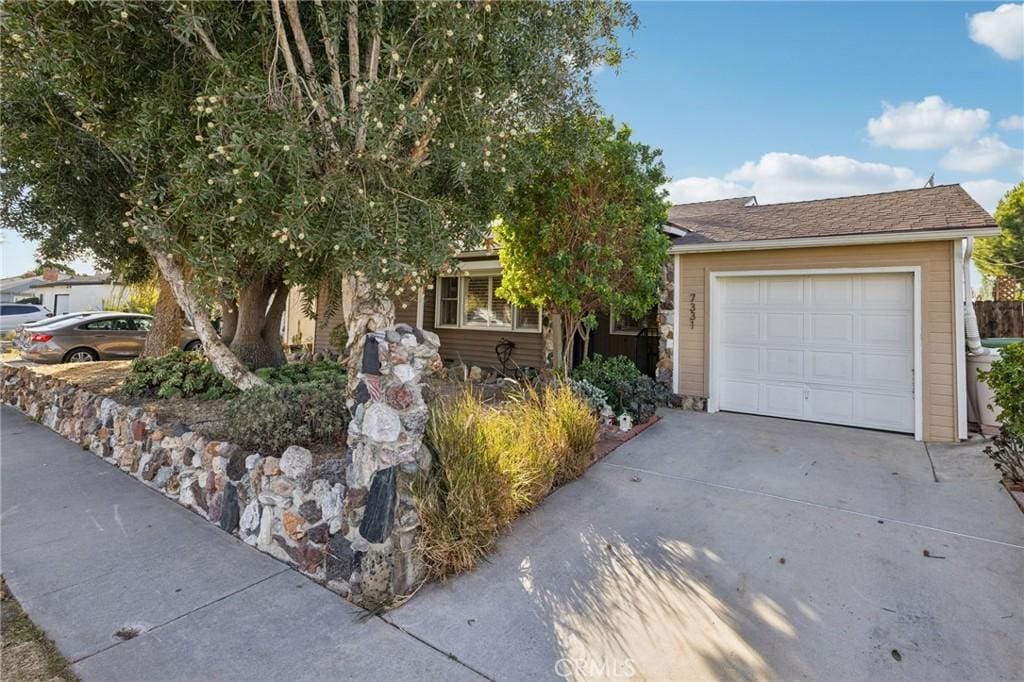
{"x":828,"y":347}
{"x":844,"y":311}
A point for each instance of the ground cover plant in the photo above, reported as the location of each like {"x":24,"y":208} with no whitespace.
{"x":625,"y":387}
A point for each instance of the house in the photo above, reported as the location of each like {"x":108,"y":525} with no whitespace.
{"x":845,"y":311}
{"x":19,"y":288}
{"x":79,"y":293}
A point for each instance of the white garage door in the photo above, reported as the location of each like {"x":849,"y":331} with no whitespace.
{"x":829,"y":348}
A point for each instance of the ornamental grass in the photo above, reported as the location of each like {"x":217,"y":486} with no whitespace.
{"x":492,"y":462}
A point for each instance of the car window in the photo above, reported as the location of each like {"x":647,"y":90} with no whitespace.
{"x":18,"y":309}
{"x":142,"y":324}
{"x":108,"y":324}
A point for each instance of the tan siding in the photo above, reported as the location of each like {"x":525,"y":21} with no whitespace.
{"x":476,"y":346}
{"x":937,"y":316}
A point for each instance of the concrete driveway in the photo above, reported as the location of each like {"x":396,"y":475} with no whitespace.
{"x":737,"y":547}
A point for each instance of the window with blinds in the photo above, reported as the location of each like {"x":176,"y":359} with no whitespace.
{"x":473,"y":302}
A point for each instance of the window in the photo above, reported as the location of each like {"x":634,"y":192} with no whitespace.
{"x":142,"y":324}
{"x":623,"y":323}
{"x":18,"y":309}
{"x":110,"y":324}
{"x":473,"y":302}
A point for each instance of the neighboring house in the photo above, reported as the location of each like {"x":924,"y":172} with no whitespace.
{"x":79,"y":293}
{"x":19,"y":288}
{"x":845,"y":311}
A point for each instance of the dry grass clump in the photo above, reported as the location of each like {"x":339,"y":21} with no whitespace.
{"x":493,"y":462}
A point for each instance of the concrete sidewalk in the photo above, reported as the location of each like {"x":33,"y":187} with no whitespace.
{"x":90,"y":553}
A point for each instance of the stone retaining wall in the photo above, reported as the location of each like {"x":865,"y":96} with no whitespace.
{"x":347,"y":523}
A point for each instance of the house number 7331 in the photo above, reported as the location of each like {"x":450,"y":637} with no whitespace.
{"x":693,"y":309}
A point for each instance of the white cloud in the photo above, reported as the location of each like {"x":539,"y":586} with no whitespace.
{"x":778,"y":177}
{"x":689,"y":190}
{"x":1015,"y":122}
{"x":928,"y":124}
{"x":987,"y":192}
{"x":983,"y":154}
{"x":1002,"y":29}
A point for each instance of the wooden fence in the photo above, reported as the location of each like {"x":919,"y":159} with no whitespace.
{"x":1000,"y":318}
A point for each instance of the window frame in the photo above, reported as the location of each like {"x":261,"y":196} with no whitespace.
{"x":612,"y":317}
{"x":462,"y":278}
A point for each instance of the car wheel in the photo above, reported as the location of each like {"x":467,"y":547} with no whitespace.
{"x":81,"y":355}
{"x":194,"y":345}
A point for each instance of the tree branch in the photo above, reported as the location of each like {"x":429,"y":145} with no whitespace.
{"x":282,"y":44}
{"x":337,"y":90}
{"x":210,"y":47}
{"x":291,"y":7}
{"x":372,"y":67}
{"x":353,"y":55}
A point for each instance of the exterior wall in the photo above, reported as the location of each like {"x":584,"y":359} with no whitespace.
{"x":468,"y":346}
{"x":321,"y":328}
{"x":83,"y":297}
{"x":476,"y":346}
{"x":937,"y":315}
{"x":295,"y":322}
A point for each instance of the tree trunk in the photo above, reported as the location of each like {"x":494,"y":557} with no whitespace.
{"x":364,"y":310}
{"x":222,"y":358}
{"x":228,"y":320}
{"x":257,"y":338}
{"x":165,"y":334}
{"x":572,"y":325}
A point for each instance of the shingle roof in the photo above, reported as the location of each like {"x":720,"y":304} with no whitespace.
{"x":701,"y":208}
{"x":944,"y":207}
{"x":98,"y":278}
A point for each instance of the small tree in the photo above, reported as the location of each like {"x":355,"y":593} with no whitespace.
{"x":583,"y":234}
{"x":1003,"y":256}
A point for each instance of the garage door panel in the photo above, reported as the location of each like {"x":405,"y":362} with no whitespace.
{"x":784,"y":400}
{"x":783,"y":327}
{"x":740,"y":326}
{"x":782,"y":363}
{"x":828,"y":367}
{"x":741,"y":396}
{"x":741,"y":360}
{"x":831,"y":291}
{"x":878,"y":368}
{"x":831,"y":348}
{"x":887,"y":291}
{"x":887,"y":411}
{"x":741,"y":291}
{"x":833,"y":405}
{"x":886,"y":330}
{"x":783,"y":291}
{"x":831,"y":328}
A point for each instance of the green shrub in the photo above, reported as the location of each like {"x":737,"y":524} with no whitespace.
{"x":178,"y":374}
{"x":606,"y":373}
{"x":492,"y":462}
{"x":1007,"y":451}
{"x":595,"y":397}
{"x":640,"y":398}
{"x":626,"y":388}
{"x":320,"y":372}
{"x":1006,"y":378}
{"x":270,"y":418}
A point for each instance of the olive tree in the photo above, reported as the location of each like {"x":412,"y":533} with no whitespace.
{"x":583,"y":233}
{"x":279,"y":143}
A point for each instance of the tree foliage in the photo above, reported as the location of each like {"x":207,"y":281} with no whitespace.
{"x":582,"y":234}
{"x":1003,"y":256}
{"x":264,"y":144}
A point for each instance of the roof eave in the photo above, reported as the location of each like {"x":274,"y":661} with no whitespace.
{"x":838,"y":240}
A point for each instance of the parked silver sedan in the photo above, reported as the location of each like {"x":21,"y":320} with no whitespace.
{"x":91,"y":337}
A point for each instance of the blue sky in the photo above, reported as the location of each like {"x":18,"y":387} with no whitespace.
{"x":785,"y":100}
{"x":720,"y":85}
